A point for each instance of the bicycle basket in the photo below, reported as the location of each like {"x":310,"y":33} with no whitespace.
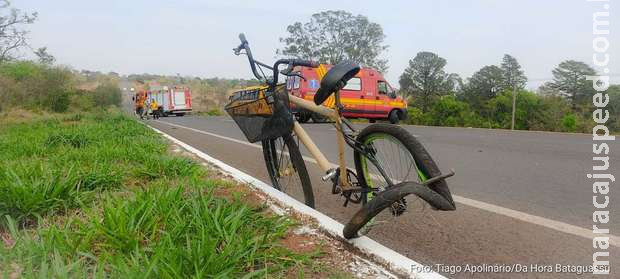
{"x":260,"y":113}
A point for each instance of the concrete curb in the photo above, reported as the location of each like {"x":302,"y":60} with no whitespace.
{"x":394,"y":260}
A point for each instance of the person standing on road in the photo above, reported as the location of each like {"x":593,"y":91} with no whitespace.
{"x":140,"y":105}
{"x":155,"y":109}
{"x":147,"y":108}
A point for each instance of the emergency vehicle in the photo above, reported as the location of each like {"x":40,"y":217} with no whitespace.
{"x":172,"y":100}
{"x":367,"y":95}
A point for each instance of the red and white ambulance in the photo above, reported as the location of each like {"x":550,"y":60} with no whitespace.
{"x":367,"y":95}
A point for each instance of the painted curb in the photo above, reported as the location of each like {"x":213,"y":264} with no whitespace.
{"x":395,"y":260}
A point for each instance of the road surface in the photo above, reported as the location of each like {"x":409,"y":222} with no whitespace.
{"x":523,"y":198}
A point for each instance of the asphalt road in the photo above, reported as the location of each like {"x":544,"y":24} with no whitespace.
{"x":531,"y":175}
{"x":523,"y":198}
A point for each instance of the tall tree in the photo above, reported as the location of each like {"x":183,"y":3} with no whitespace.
{"x":513,"y":75}
{"x":334,"y":36}
{"x":485,"y":84}
{"x":44,"y":56}
{"x":569,"y":78}
{"x":12,"y":33}
{"x":425,"y":79}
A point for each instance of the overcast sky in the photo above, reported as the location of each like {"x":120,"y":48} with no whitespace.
{"x":193,"y":37}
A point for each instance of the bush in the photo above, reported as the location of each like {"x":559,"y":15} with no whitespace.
{"x":106,"y":95}
{"x":448,"y":111}
{"x":35,"y":86}
{"x":214,"y":112}
{"x":569,"y":123}
{"x":58,"y":101}
{"x":21,"y":70}
{"x":83,"y":100}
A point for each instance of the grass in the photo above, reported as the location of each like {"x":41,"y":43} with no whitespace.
{"x":211,"y":112}
{"x":97,"y":195}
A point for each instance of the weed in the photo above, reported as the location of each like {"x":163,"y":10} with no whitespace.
{"x":167,"y":166}
{"x":75,"y":140}
{"x":30,"y":190}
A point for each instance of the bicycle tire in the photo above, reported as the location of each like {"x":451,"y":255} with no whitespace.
{"x":424,"y":165}
{"x":386,"y":198}
{"x":271,"y":157}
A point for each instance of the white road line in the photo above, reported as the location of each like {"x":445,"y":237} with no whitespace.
{"x":522,"y":216}
{"x":396,"y":260}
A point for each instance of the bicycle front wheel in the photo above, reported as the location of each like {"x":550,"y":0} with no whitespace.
{"x":287,"y":169}
{"x":403,"y":159}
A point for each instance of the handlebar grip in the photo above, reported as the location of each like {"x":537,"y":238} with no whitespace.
{"x":305,"y":63}
{"x":242,"y":38}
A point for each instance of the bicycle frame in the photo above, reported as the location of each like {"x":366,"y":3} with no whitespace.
{"x":311,"y":146}
{"x":332,"y":114}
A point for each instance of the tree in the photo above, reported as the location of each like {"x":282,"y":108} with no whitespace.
{"x":12,"y":34}
{"x":513,"y":75}
{"x":569,"y":78}
{"x":484,"y":85}
{"x":44,"y":56}
{"x":614,"y":107}
{"x":425,"y":79}
{"x":333,"y":36}
{"x":515,"y":79}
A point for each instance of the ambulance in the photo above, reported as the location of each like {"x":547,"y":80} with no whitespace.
{"x":367,"y":95}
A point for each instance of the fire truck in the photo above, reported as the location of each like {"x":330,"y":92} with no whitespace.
{"x":367,"y":95}
{"x":172,"y":100}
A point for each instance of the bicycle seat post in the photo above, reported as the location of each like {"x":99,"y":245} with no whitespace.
{"x":339,"y":107}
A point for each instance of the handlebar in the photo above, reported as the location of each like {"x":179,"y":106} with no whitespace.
{"x":304,"y":63}
{"x":290,"y":62}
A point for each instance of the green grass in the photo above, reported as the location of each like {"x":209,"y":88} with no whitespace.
{"x":97,"y":195}
{"x":211,"y":112}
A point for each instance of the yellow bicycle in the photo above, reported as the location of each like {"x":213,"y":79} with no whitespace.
{"x":390,"y":163}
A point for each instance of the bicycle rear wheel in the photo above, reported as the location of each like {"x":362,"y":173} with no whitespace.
{"x":403,"y":159}
{"x":287,"y":169}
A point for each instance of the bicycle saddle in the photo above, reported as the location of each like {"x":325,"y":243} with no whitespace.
{"x":335,"y":79}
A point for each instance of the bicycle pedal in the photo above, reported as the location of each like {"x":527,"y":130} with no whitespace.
{"x":330,"y":174}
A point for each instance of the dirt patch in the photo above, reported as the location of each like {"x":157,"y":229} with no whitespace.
{"x":300,"y":243}
{"x":239,"y":191}
{"x":7,"y":240}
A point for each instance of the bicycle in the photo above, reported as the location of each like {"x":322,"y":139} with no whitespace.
{"x":263,"y":114}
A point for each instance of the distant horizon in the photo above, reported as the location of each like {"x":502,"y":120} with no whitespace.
{"x":126,"y":38}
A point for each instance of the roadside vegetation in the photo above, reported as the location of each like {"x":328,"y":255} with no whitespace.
{"x":563,"y":104}
{"x":100,"y":195}
{"x":438,"y":98}
{"x":41,"y":87}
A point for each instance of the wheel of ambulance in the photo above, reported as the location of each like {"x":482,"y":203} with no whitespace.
{"x":317,"y":118}
{"x":403,"y":158}
{"x":302,"y":117}
{"x":287,"y":169}
{"x":393,"y":117}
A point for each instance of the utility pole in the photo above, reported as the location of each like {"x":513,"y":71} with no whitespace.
{"x":514,"y":105}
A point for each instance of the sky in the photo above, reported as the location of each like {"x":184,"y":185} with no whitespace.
{"x":195,"y":38}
